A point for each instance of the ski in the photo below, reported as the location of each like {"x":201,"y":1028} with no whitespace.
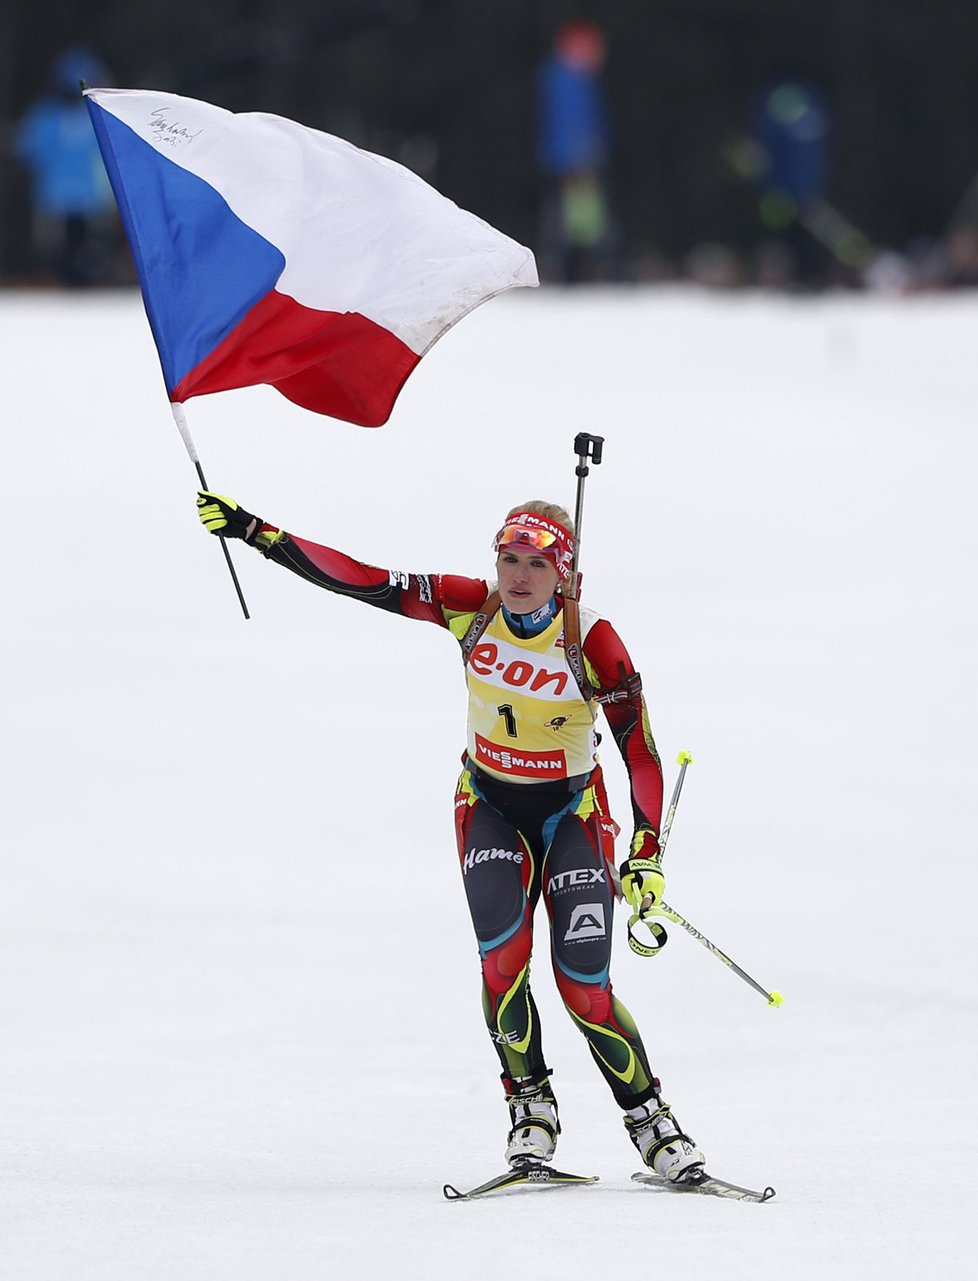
{"x":531,"y":1174}
{"x":535,"y":1175}
{"x":705,"y":1184}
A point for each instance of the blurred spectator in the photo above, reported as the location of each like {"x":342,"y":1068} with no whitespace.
{"x":578,"y":239}
{"x":773,"y":265}
{"x":73,"y":214}
{"x":957,"y":250}
{"x":889,"y":272}
{"x":962,"y":256}
{"x":790,"y":131}
{"x":714,"y":265}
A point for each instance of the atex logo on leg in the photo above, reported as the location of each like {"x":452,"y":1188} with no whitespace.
{"x":576,"y":876}
{"x":586,"y":922}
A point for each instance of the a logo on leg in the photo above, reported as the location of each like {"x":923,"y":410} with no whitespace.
{"x":586,"y":922}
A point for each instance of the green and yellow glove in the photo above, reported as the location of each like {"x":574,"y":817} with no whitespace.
{"x":643,"y":881}
{"x":222,"y":515}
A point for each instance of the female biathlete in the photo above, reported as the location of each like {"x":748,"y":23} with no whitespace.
{"x":531,"y":813}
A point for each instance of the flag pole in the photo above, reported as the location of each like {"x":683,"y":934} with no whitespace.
{"x":183,"y":427}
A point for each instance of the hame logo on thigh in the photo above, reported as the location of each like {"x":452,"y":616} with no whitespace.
{"x":475,"y":856}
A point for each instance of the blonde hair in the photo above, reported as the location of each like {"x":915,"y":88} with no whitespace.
{"x":549,"y":511}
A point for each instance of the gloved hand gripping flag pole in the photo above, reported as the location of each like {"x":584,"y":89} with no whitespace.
{"x":183,"y":427}
{"x":268,"y":252}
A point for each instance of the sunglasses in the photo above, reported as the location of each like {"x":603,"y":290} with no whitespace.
{"x":557,"y":545}
{"x":541,"y":539}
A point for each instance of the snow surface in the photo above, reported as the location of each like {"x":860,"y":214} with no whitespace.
{"x":241,"y":1031}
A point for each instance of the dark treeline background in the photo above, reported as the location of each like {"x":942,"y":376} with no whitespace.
{"x":448,"y":87}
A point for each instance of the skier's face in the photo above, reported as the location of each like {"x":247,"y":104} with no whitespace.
{"x":527,"y":579}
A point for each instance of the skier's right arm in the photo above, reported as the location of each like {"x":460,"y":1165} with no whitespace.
{"x":432,"y":598}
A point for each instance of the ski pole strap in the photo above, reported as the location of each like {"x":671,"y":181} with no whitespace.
{"x":657,"y":931}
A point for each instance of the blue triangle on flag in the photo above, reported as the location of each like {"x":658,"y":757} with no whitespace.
{"x":200,"y":267}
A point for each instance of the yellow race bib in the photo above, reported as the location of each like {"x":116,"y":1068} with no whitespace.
{"x":527,"y":719}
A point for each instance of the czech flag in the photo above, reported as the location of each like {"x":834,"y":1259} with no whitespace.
{"x":272,"y":253}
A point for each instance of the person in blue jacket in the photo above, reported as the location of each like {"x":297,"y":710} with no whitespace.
{"x":72,"y":207}
{"x":574,"y":139}
{"x":790,"y":127}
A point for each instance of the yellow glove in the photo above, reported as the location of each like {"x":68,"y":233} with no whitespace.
{"x":643,"y":881}
{"x":222,"y":515}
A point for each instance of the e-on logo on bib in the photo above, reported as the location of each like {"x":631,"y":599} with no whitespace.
{"x":586,"y":922}
{"x":503,"y":665}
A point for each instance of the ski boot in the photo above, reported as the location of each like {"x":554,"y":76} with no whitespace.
{"x":533,"y":1117}
{"x":661,"y":1143}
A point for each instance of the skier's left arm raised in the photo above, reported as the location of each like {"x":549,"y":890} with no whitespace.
{"x":433,"y":598}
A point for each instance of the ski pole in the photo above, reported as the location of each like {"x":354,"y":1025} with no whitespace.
{"x":658,"y":932}
{"x":682,"y":760}
{"x":772,"y":998}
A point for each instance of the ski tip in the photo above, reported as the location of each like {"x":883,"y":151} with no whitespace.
{"x":453,"y":1194}
{"x":767,"y":1194}
{"x":684,"y":758}
{"x":775,"y":998}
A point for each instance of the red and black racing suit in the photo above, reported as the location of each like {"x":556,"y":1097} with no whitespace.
{"x":518,"y":840}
